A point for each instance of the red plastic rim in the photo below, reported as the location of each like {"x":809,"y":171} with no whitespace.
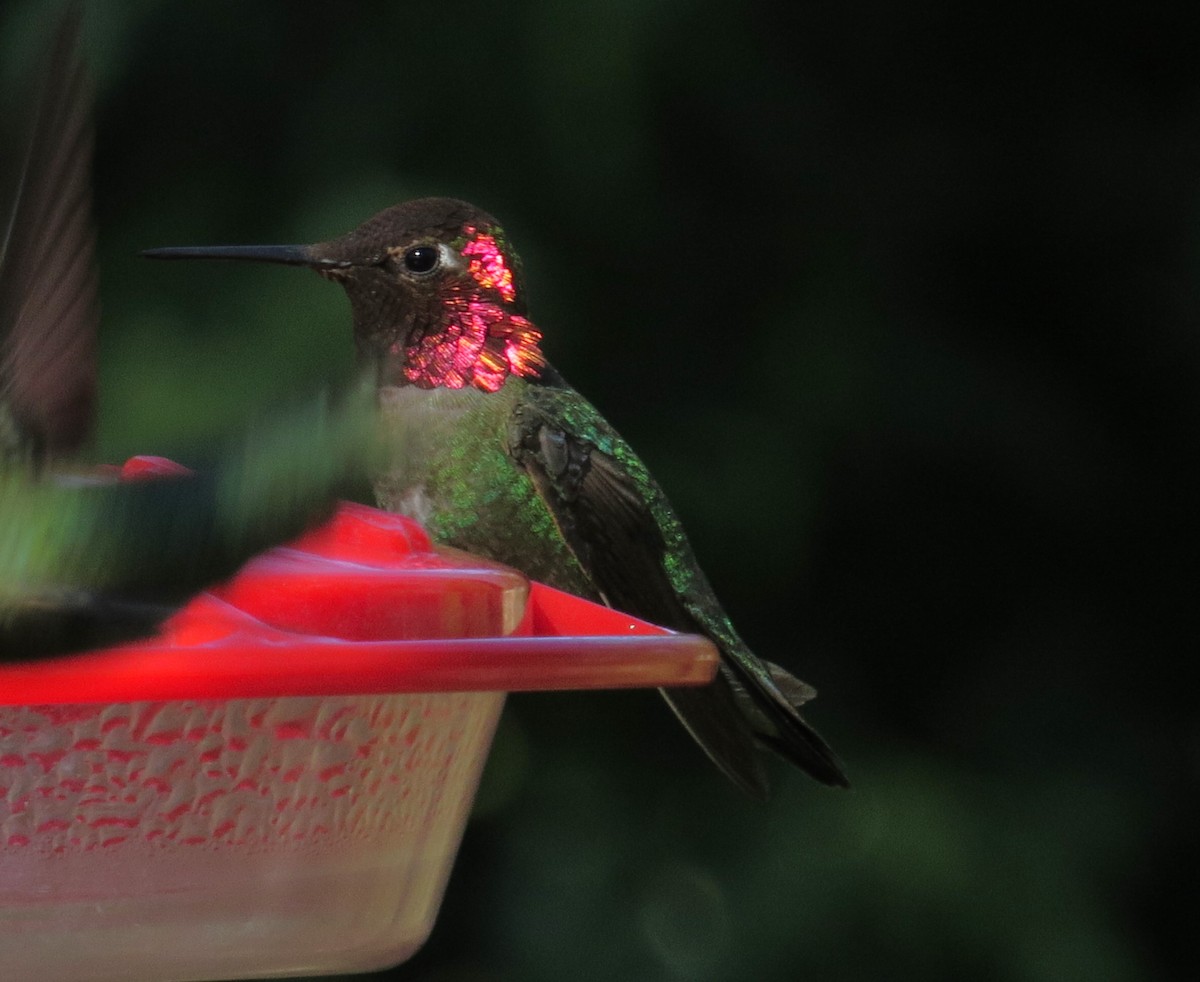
{"x":365,"y":604}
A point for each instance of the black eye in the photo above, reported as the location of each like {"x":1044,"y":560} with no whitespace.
{"x":421,"y":259}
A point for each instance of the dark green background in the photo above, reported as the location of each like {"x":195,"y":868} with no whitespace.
{"x":900,"y":304}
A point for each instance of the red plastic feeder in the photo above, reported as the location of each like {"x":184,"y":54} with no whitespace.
{"x":278,"y":782}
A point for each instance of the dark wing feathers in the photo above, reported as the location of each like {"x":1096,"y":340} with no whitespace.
{"x":602,"y":517}
{"x":612,"y":529}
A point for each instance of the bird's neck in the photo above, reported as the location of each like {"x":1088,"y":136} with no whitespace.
{"x":470,"y":341}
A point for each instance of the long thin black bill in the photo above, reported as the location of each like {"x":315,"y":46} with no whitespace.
{"x":287,"y":255}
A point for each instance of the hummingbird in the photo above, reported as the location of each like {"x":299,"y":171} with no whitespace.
{"x":490,"y":448}
{"x":86,"y":561}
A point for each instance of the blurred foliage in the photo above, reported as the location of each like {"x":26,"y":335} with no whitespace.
{"x":898,"y":301}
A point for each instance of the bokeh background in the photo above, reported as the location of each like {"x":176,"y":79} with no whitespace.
{"x":899,"y":302}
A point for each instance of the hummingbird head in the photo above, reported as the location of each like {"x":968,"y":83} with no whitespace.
{"x":435,"y":291}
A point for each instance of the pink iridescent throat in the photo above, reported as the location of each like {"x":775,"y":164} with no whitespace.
{"x":481,"y":341}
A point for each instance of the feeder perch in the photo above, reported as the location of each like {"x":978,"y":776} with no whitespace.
{"x":277,"y":783}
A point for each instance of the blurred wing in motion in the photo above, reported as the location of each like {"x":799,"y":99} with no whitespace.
{"x":48,"y":282}
{"x":88,"y":563}
{"x":83,"y":565}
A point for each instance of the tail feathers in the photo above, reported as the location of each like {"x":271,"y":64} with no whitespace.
{"x":795,"y":691}
{"x":771,"y":702}
{"x":805,"y":748}
{"x":712,"y":716}
{"x":736,"y":715}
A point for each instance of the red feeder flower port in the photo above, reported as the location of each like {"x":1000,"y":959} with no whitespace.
{"x":277,"y":783}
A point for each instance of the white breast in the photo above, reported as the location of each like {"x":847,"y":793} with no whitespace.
{"x":422,"y":426}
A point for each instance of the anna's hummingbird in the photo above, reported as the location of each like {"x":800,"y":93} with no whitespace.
{"x":497,"y":454}
{"x":85,"y":562}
